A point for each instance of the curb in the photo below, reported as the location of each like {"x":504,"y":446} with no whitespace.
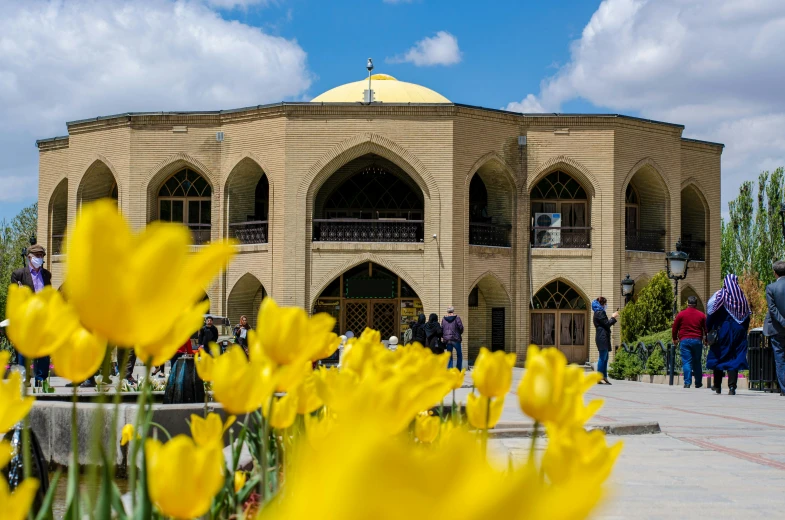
{"x":512,"y":431}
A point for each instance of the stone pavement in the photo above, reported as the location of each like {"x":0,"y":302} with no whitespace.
{"x":718,"y":456}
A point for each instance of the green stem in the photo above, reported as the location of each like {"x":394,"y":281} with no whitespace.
{"x":535,"y":433}
{"x":160,"y":427}
{"x":140,"y":412}
{"x":487,"y":425}
{"x":452,"y":409}
{"x":27,"y":459}
{"x":73,"y":470}
{"x":265,"y":438}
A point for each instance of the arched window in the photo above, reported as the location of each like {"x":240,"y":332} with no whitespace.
{"x":559,"y":319}
{"x":558,"y":193}
{"x":374,"y":193}
{"x":185,"y":198}
{"x":631,"y":208}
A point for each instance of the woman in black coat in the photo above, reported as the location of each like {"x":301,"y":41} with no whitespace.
{"x":603,"y":325}
{"x":433,"y":334}
{"x":418,"y":330}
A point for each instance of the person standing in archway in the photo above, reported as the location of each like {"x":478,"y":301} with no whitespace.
{"x":433,"y":334}
{"x":603,"y":325}
{"x":241,"y":333}
{"x":452,"y":330}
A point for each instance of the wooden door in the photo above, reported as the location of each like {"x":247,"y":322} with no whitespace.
{"x":384,"y":316}
{"x":356,"y":316}
{"x":498,"y":331}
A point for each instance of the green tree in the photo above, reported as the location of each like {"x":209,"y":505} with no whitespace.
{"x":14,"y":236}
{"x":652,"y":312}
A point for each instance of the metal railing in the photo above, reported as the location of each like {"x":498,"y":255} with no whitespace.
{"x":645,"y":240}
{"x":561,"y":237}
{"x":200,"y":234}
{"x":487,"y":234}
{"x":760,"y":358}
{"x":645,"y":353}
{"x":695,"y":248}
{"x":367,"y":230}
{"x":58,"y":244}
{"x":250,"y":232}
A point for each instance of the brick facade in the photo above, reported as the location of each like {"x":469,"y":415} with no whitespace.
{"x":305,"y":150}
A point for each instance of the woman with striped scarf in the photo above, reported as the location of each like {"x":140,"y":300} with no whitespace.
{"x":728,"y":319}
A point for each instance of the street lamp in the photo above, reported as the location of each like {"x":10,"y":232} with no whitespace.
{"x":627,"y":288}
{"x":677,"y":262}
{"x":24,"y":250}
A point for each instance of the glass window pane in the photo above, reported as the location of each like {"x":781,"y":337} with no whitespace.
{"x":165,"y":211}
{"x":177,"y":211}
{"x":193,"y":212}
{"x":205,"y":205}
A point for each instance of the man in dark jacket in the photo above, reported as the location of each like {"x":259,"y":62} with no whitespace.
{"x":689,"y":329}
{"x":207,"y":334}
{"x":603,"y":325}
{"x":36,"y":277}
{"x":452,"y":330}
{"x":774,"y":325}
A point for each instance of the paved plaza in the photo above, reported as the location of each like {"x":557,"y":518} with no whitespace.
{"x":718,"y":456}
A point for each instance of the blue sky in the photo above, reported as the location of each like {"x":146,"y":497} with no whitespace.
{"x":715,"y":66}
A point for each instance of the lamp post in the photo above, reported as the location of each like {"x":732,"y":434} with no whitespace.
{"x":627,"y":288}
{"x":677,"y":262}
{"x":24,"y":250}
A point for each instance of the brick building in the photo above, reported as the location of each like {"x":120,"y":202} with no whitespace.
{"x":374,"y":212}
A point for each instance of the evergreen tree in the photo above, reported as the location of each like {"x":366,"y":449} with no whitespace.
{"x":652,"y":312}
{"x":14,"y":236}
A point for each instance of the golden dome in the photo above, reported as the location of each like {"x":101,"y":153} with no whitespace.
{"x":386,"y":89}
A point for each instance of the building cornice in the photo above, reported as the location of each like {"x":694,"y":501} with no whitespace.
{"x":706,"y":146}
{"x":53,"y":143}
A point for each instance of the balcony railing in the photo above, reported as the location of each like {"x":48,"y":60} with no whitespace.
{"x":645,"y":240}
{"x":200,"y":233}
{"x":487,"y":234}
{"x":251,"y":232}
{"x":367,"y":230}
{"x":567,"y":237}
{"x":58,"y":244}
{"x":695,"y":248}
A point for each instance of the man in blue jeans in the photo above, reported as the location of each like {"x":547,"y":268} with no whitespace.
{"x":689,"y":329}
{"x":452,"y":329}
{"x":774,"y":325}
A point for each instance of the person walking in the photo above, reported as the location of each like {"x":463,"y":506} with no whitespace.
{"x":418,"y":331}
{"x":602,"y":337}
{"x":241,"y":333}
{"x":36,"y":277}
{"x":452,"y":328}
{"x":727,"y":322}
{"x":774,"y":325}
{"x":207,"y":334}
{"x":689,"y":329}
{"x":433,"y":334}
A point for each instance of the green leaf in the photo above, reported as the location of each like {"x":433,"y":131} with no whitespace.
{"x":103,"y":507}
{"x":45,"y":513}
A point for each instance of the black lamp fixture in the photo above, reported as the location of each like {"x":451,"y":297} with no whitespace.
{"x":677,"y":263}
{"x":627,"y":288}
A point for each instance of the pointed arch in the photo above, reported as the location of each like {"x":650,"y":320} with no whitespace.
{"x":558,"y":320}
{"x":569,"y":281}
{"x":359,"y":259}
{"x":57,"y":217}
{"x":156,"y":176}
{"x":495,"y":277}
{"x":248,"y":199}
{"x":244,"y":299}
{"x":98,"y":180}
{"x":495,"y":160}
{"x":643,"y":164}
{"x":569,"y":165}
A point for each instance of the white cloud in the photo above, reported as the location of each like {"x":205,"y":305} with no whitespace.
{"x":715,"y":66}
{"x":441,"y":49}
{"x":233,"y":4}
{"x":67,"y":60}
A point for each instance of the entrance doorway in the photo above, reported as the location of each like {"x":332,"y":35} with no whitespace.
{"x":559,"y":318}
{"x":370,"y":296}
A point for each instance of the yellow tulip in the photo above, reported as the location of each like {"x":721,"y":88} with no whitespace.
{"x":209,"y":432}
{"x":552,"y":392}
{"x":289,"y":377}
{"x":329,"y":342}
{"x":284,"y":411}
{"x":6,"y":453}
{"x":81,"y":357}
{"x":426,"y":428}
{"x":154,"y":277}
{"x":477,"y":411}
{"x":457,"y":377}
{"x":239,"y":481}
{"x":360,"y":461}
{"x":13,"y":407}
{"x":17,"y":504}
{"x":319,"y":426}
{"x":492,"y":372}
{"x":287,"y":335}
{"x":205,"y":361}
{"x":127,"y":434}
{"x":169,"y":491}
{"x":41,"y":323}
{"x":308,"y":399}
{"x":240,"y":385}
{"x":160,"y":351}
{"x":574,"y":453}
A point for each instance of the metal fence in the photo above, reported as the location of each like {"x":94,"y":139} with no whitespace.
{"x":760,"y":358}
{"x":645,"y":354}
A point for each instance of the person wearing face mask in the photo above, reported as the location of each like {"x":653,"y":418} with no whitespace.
{"x":603,"y":325}
{"x":36,"y":277}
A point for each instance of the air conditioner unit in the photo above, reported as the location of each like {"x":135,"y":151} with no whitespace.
{"x":547,"y":237}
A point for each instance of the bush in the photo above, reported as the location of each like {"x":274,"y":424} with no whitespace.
{"x":625,"y":366}
{"x":655,"y":365}
{"x":651,"y":312}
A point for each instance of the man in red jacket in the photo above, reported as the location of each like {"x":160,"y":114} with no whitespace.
{"x":689,"y":329}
